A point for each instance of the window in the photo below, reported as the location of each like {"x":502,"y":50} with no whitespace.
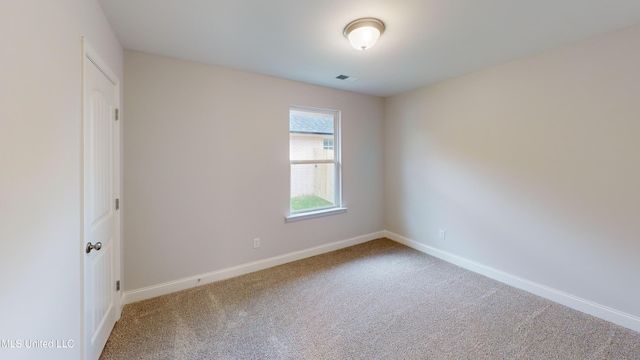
{"x":327,"y":144}
{"x":314,"y":156}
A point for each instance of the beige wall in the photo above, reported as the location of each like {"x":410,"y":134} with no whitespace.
{"x":207,"y":168}
{"x":40,"y":118}
{"x":531,"y":167}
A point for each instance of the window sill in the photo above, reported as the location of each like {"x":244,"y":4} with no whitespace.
{"x":314,"y":214}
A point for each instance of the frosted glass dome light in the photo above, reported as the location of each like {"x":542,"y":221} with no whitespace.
{"x":363,"y":33}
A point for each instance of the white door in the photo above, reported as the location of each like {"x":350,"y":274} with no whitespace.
{"x":101,"y":218}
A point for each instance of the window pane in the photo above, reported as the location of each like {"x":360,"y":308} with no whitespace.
{"x":312,"y":186}
{"x":310,"y":135}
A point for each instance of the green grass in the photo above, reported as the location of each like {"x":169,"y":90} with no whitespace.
{"x":308,"y":202}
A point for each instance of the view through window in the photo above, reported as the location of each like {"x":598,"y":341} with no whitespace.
{"x":314,"y":157}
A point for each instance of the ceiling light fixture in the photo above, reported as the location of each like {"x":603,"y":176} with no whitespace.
{"x":363,"y":33}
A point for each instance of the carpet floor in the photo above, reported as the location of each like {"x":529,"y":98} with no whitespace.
{"x":377,"y":300}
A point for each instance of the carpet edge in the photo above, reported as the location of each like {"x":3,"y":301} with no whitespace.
{"x":586,"y":306}
{"x":148,"y":292}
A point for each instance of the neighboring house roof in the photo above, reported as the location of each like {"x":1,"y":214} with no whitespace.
{"x":310,"y":124}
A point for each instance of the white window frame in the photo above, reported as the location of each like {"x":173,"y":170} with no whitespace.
{"x":338,"y":207}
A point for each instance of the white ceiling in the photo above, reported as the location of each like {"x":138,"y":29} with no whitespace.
{"x":425,"y":41}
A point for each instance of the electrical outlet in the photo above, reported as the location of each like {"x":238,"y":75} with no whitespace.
{"x":442,"y":235}
{"x":256,"y":243}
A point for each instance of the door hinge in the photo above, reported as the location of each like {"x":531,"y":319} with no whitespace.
{"x":117,"y":204}
{"x":118,"y":285}
{"x":117,"y":114}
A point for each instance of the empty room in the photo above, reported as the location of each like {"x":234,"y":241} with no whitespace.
{"x":244,"y":179}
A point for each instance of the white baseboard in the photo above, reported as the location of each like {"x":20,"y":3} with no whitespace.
{"x":193,"y":281}
{"x":120,"y":305}
{"x":574,"y":302}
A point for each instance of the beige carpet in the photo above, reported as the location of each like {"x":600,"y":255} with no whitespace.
{"x":378,"y":300}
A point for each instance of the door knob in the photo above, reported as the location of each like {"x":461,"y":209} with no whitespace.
{"x":90,"y":247}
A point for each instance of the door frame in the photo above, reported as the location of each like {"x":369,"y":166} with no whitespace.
{"x":90,"y":55}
